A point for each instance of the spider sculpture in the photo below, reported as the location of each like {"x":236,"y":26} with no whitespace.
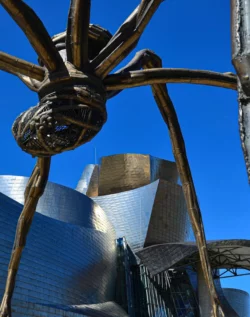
{"x":73,"y":84}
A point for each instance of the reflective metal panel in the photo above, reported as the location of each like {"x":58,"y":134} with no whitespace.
{"x":155,"y":213}
{"x":169,"y":221}
{"x":89,"y":181}
{"x":239,"y":300}
{"x":163,"y":169}
{"x":124,"y":172}
{"x":59,"y":202}
{"x":62,"y":263}
{"x":130,"y":212}
{"x":226,"y":305}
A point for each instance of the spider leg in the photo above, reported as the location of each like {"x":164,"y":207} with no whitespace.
{"x":30,"y":74}
{"x":15,"y":66}
{"x":125,"y":39}
{"x":115,"y":83}
{"x":35,"y":31}
{"x":147,"y":59}
{"x":241,"y":61}
{"x":33,"y":192}
{"x":78,"y":33}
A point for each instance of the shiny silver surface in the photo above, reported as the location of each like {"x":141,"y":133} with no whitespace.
{"x":62,"y":263}
{"x":155,"y":213}
{"x":123,"y":172}
{"x":89,"y":181}
{"x":58,"y":202}
{"x":130,"y":212}
{"x":239,"y":300}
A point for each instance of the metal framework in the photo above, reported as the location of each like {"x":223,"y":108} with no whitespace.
{"x":228,"y":273}
{"x":73,"y":84}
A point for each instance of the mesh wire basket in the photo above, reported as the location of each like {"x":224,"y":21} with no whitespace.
{"x":60,"y":122}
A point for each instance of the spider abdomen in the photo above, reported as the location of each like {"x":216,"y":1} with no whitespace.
{"x":62,"y":121}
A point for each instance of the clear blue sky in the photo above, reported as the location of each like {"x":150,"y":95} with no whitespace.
{"x":192,"y":34}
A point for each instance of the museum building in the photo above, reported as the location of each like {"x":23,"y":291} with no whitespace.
{"x":118,"y":245}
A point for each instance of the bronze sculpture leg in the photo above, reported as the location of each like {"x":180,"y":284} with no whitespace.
{"x":147,"y":59}
{"x":33,"y":192}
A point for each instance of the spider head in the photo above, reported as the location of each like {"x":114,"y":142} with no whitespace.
{"x":70,"y":113}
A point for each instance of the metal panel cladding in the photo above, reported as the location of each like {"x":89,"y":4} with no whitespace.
{"x":124,"y":172}
{"x":239,"y":300}
{"x":155,"y":213}
{"x":89,"y":181}
{"x":62,"y":263}
{"x":59,"y":202}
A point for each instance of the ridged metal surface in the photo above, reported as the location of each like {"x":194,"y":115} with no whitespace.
{"x":58,"y":202}
{"x":155,"y":213}
{"x":124,"y":172}
{"x":62,"y":263}
{"x":89,"y":181}
{"x":239,"y":300}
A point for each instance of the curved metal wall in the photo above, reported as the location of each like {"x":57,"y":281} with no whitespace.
{"x":123,"y":172}
{"x":155,"y":213}
{"x":169,"y":219}
{"x":58,"y":202}
{"x":239,"y":300}
{"x":130,"y":212}
{"x":89,"y":181}
{"x":62,"y":263}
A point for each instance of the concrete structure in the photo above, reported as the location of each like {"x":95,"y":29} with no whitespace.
{"x":119,"y":245}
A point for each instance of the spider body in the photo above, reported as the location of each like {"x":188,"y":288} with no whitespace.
{"x":72,"y":104}
{"x":71,"y":111}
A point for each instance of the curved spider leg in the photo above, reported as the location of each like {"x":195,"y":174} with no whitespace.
{"x":125,"y":40}
{"x":32,"y":75}
{"x":33,"y":192}
{"x":124,"y":30}
{"x":147,"y":59}
{"x":131,"y":79}
{"x":35,"y":31}
{"x":241,"y":61}
{"x":78,"y":33}
{"x":15,"y":66}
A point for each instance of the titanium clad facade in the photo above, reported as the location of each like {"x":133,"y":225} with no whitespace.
{"x":125,"y":172}
{"x":62,"y":263}
{"x":169,"y":220}
{"x":89,"y":181}
{"x":119,"y":173}
{"x":162,"y":169}
{"x":155,"y":213}
{"x":59,"y":202}
{"x":239,"y":300}
{"x":130,"y":212}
